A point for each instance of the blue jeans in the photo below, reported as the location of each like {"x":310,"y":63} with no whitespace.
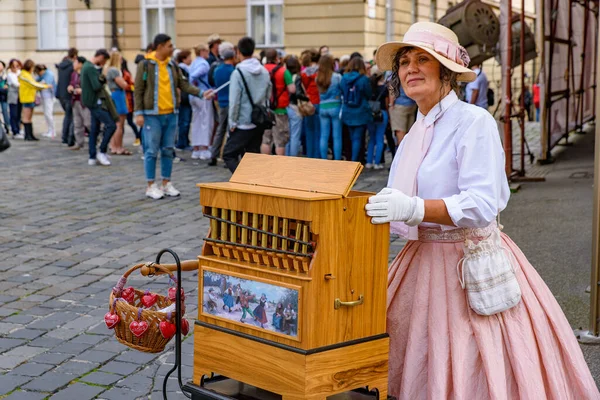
{"x":5,"y":117}
{"x":183,"y":122}
{"x":67,"y":129}
{"x":312,"y":128}
{"x":15,"y":117}
{"x":376,"y":135}
{"x":159,"y":133}
{"x":357,"y":135}
{"x":330,"y":121}
{"x":537,"y":114}
{"x":292,"y":148}
{"x":100,"y":116}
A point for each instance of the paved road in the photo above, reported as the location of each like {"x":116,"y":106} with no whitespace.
{"x":68,"y":231}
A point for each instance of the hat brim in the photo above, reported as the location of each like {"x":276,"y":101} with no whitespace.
{"x":387,"y":51}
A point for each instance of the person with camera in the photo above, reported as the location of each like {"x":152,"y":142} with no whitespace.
{"x":376,"y":128}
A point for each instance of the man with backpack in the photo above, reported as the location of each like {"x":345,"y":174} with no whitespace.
{"x":477,"y":91}
{"x":249,"y":90}
{"x":156,"y":107}
{"x":283,"y":85}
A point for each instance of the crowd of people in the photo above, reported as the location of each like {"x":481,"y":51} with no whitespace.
{"x":314,"y":104}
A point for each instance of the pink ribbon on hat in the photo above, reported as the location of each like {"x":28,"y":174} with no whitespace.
{"x":441,"y":45}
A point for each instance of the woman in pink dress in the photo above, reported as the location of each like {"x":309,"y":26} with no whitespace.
{"x":447,"y":184}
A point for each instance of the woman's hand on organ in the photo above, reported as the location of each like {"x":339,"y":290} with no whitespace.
{"x":392,"y":205}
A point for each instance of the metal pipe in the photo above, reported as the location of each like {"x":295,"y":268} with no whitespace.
{"x":262,"y":231}
{"x":581,"y":91}
{"x":508,"y":151}
{"x":267,"y":249}
{"x":522,"y":105}
{"x":595,"y":275}
{"x":414,"y":13}
{"x":548,"y":89}
{"x":570,"y":71}
{"x":433,"y":10}
{"x":595,"y":62}
{"x":389,"y":20}
{"x":113,"y":24}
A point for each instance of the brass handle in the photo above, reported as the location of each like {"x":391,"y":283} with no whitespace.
{"x":338,"y":303}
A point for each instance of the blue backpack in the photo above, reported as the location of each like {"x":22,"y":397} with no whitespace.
{"x":352,"y":96}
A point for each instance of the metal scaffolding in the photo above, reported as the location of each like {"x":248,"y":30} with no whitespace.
{"x":572,"y":97}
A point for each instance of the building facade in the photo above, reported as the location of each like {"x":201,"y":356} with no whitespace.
{"x":44,"y":29}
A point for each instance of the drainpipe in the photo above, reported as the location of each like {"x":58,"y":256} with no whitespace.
{"x":414,"y":11}
{"x":433,"y":10}
{"x":389,"y":21}
{"x":113,"y":25}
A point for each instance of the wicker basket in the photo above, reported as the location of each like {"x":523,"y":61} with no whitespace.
{"x":152,"y":340}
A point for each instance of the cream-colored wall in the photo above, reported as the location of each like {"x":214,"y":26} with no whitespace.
{"x":343,"y":25}
{"x":313,"y":23}
{"x":196,"y":20}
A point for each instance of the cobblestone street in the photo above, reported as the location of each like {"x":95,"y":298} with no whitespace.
{"x":68,"y":231}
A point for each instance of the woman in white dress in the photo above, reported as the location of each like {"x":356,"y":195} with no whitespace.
{"x":447,"y":184}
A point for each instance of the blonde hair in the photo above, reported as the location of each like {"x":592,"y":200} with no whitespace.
{"x":113,"y":62}
{"x":200,"y":48}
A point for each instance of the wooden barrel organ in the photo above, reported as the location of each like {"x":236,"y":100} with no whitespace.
{"x":292,"y":280}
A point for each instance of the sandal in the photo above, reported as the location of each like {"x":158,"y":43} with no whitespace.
{"x":123,"y":152}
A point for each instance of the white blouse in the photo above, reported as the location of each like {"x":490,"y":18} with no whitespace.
{"x":464,"y":165}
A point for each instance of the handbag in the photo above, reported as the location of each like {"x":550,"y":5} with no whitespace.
{"x":262,"y":116}
{"x":4,"y":142}
{"x":488,"y":276}
{"x":305,"y":107}
{"x":376,"y":108}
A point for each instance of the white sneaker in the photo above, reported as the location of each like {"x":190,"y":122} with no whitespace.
{"x":47,"y":134}
{"x":196,"y":155}
{"x":154,"y":192}
{"x":378,"y":166}
{"x":170,"y":190}
{"x":205,"y":155}
{"x":103,"y":159}
{"x":92,"y":161}
{"x":368,"y":166}
{"x":19,"y":136}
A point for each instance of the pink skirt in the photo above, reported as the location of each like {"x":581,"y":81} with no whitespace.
{"x":441,"y":349}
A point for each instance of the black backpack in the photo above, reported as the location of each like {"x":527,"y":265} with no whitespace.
{"x":262,"y":116}
{"x":491,"y":97}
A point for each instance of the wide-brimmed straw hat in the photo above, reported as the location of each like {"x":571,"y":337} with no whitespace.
{"x":435,"y":39}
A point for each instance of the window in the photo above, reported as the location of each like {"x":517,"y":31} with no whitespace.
{"x":158,"y":16}
{"x":265,"y":22}
{"x":53,"y":25}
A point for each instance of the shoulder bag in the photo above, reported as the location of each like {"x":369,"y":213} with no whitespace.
{"x":305,"y":107}
{"x":262,"y":116}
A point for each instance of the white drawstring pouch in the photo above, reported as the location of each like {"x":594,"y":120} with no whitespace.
{"x":488,"y":276}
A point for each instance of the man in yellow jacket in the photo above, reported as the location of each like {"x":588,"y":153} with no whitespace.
{"x":156,"y":108}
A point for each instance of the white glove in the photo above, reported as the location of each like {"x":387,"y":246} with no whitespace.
{"x":392,"y":205}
